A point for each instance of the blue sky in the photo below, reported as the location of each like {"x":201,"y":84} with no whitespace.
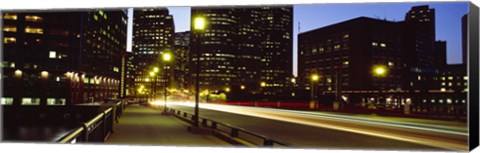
{"x":313,"y":16}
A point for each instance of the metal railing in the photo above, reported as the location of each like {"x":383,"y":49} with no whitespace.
{"x":232,"y":131}
{"x":96,"y":129}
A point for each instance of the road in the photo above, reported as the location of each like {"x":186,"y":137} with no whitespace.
{"x":306,"y":129}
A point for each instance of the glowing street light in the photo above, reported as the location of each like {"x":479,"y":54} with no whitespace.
{"x":263,"y":84}
{"x":199,"y":23}
{"x":152,"y":74}
{"x":166,"y":57}
{"x":155,"y":69}
{"x":315,"y":77}
{"x":242,"y":87}
{"x":227,"y":89}
{"x":379,"y":70}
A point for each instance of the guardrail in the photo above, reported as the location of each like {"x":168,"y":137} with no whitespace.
{"x":232,"y":131}
{"x":96,"y":129}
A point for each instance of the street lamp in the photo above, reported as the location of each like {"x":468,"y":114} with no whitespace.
{"x":379,"y":70}
{"x":167,"y":57}
{"x":313,"y":78}
{"x":199,"y":26}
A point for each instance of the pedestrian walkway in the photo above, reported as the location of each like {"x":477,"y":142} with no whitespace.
{"x":141,"y":125}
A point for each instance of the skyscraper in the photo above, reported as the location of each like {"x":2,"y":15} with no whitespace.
{"x":245,"y":47}
{"x":181,"y":60}
{"x":63,"y":58}
{"x":420,"y":36}
{"x":153,"y":32}
{"x":440,"y":54}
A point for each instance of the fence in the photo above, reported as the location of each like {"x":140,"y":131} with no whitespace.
{"x":96,"y":129}
{"x":232,"y":131}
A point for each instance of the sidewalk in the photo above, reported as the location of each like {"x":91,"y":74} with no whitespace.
{"x":140,"y":125}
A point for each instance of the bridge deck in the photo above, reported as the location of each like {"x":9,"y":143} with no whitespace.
{"x":141,"y":125}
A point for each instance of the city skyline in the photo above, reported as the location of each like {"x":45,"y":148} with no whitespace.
{"x":307,"y":15}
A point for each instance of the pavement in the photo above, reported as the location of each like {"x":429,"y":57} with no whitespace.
{"x":141,"y":125}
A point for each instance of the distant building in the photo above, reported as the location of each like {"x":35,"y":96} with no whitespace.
{"x":440,"y":54}
{"x":130,"y":69}
{"x":345,"y":56}
{"x":62,"y":58}
{"x":419,"y":36}
{"x":153,"y":33}
{"x":181,"y":53}
{"x":248,"y":48}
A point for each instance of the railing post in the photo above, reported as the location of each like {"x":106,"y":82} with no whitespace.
{"x":192,"y":117}
{"x":184,"y":114}
{"x":104,"y":132}
{"x":85,"y":132}
{"x":267,"y":142}
{"x":214,"y":125}
{"x":234,"y":132}
{"x":204,"y":121}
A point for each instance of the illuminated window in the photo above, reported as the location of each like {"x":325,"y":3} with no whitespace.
{"x":336,"y":47}
{"x":8,"y":40}
{"x":345,"y":62}
{"x":374,"y":44}
{"x":33,"y":18}
{"x":390,"y":63}
{"x":9,"y":16}
{"x":6,"y":101}
{"x":33,"y":30}
{"x":346,"y":36}
{"x":442,"y":89}
{"x":56,"y":101}
{"x":52,"y":54}
{"x":8,"y":28}
{"x":465,"y":78}
{"x":30,"y":101}
{"x":383,"y":45}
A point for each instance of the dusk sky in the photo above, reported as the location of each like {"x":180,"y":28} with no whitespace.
{"x":312,"y":16}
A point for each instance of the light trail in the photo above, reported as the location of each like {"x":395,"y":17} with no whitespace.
{"x":426,"y":134}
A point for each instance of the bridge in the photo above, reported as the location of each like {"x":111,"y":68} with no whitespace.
{"x":228,"y":125}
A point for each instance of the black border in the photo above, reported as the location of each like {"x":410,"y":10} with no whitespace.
{"x":473,"y":77}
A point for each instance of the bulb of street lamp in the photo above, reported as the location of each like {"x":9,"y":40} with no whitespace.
{"x":242,"y":87}
{"x":227,"y":89}
{"x":155,"y":69}
{"x":199,"y":23}
{"x":315,"y":77}
{"x":380,"y":70}
{"x":152,"y":74}
{"x":147,"y":79}
{"x":263,"y":84}
{"x":167,"y":57}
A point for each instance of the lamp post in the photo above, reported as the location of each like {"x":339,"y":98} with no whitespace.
{"x":379,"y":71}
{"x":166,"y":57}
{"x":199,"y":26}
{"x":313,"y":78}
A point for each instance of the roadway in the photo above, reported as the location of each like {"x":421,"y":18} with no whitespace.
{"x":306,"y":129}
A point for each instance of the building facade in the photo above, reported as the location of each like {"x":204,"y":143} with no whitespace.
{"x":248,"y":48}
{"x":345,"y":57}
{"x":181,"y":60}
{"x":62,"y":58}
{"x":153,"y":33}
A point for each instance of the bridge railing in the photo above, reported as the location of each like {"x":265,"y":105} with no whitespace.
{"x":96,"y":129}
{"x":235,"y":132}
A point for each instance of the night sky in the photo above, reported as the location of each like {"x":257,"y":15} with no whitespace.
{"x":313,"y":16}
